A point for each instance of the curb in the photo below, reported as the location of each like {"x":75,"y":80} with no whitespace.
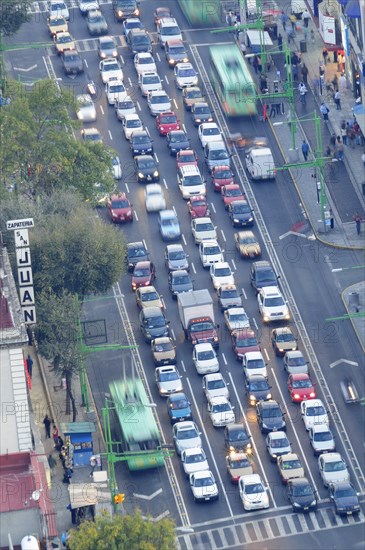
{"x":351,"y":318}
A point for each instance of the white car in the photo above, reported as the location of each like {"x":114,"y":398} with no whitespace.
{"x":158,"y":102}
{"x":131,"y":23}
{"x":332,"y":469}
{"x":295,"y":363}
{"x":221,"y":274}
{"x":125,"y":107}
{"x":203,"y":229}
{"x":91,"y":135}
{"x":168,"y":380}
{"x":321,"y":439}
{"x":214,"y":385}
{"x":272,"y":305}
{"x":186,"y":435}
{"x":221,"y":412}
{"x":115,"y":91}
{"x":86,"y":111}
{"x":190,"y":181}
{"x":130,"y":124}
{"x":236,"y":318}
{"x":154,"y":198}
{"x":168,"y":29}
{"x":313,"y":412}
{"x":205,"y":358}
{"x":117,"y":168}
{"x":208,"y":132}
{"x":194,"y":460}
{"x":88,"y":5}
{"x":185,"y":75}
{"x":254,"y":363}
{"x":277,"y":444}
{"x":203,"y":486}
{"x":149,"y":82}
{"x":253,"y":492}
{"x":110,"y":68}
{"x":59,"y":8}
{"x":144,"y":63}
{"x":210,"y":253}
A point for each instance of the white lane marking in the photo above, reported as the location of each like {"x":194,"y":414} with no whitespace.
{"x":163,"y":302}
{"x":254,"y":322}
{"x":158,"y":56}
{"x":130,"y":82}
{"x":147,"y":130}
{"x":174,"y":209}
{"x":267,"y":355}
{"x":126,"y":186}
{"x":172,"y":333}
{"x":213,"y":207}
{"x":86,"y":65}
{"x":183,"y":238}
{"x":183,"y":365}
{"x":165,"y":183}
{"x":139,"y":106}
{"x":101,"y":109}
{"x":136,"y":216}
{"x":174,"y":100}
{"x":193,"y":267}
{"x":234,"y":265}
{"x":223,"y":236}
{"x":156,"y":157}
{"x":183,"y":127}
{"x":110,"y":134}
{"x":244,"y":293}
{"x":167,"y":80}
{"x":224,"y":359}
{"x":144,"y":244}
{"x":121,"y":58}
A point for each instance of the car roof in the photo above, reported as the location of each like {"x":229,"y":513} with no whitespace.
{"x":218,"y":400}
{"x":253,"y":355}
{"x":189,"y":169}
{"x":283,"y":330}
{"x":216,"y":145}
{"x":174,"y":42}
{"x":271,"y":404}
{"x":296,"y":353}
{"x":221,"y":264}
{"x":300,"y":376}
{"x":277,"y":435}
{"x":210,"y":242}
{"x":299,"y":481}
{"x":289,"y":456}
{"x":143,"y":263}
{"x":177,"y":396}
{"x":205,"y":125}
{"x":185,"y":425}
{"x":203,"y":474}
{"x":256,"y":377}
{"x":143,"y":54}
{"x":235,"y":427}
{"x":179,"y":272}
{"x":167,"y":214}
{"x":238,"y":310}
{"x":138,"y":158}
{"x":205,"y":219}
{"x":204,"y":346}
{"x":106,"y":39}
{"x":152,"y":311}
{"x":320,"y":428}
{"x":261,"y":151}
{"x":252,"y":478}
{"x":271,"y":291}
{"x":313,"y":402}
{"x":146,"y":289}
{"x":213,"y":376}
{"x":331,"y":457}
{"x":153,"y":187}
{"x":166,"y":368}
{"x":184,"y":66}
{"x":198,"y":198}
{"x":117,"y":196}
{"x":166,"y":21}
{"x":244,"y":332}
{"x":192,"y":450}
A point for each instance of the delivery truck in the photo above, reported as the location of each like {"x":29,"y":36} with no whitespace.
{"x":197,"y":317}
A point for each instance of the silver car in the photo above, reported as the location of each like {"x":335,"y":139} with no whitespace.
{"x":168,"y":380}
{"x":176,"y":257}
{"x":295,"y":363}
{"x":96,"y":23}
{"x":107,"y":47}
{"x":86,"y":111}
{"x":186,"y":436}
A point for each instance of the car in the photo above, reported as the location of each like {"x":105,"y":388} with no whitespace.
{"x":144,"y":273}
{"x":139,"y":41}
{"x":144,"y":63}
{"x":185,"y":75}
{"x":131,"y":23}
{"x":141,"y":143}
{"x":313,"y":412}
{"x":210,"y":252}
{"x":300,"y":387}
{"x":231,"y":193}
{"x":191,"y":95}
{"x":244,"y":341}
{"x":270,"y":416}
{"x":168,"y":29}
{"x":208,"y":132}
{"x":253,"y":363}
{"x":214,"y":385}
{"x":321,"y":439}
{"x":56,"y":23}
{"x":257,"y":389}
{"x":163,"y":351}
{"x":154,"y":198}
{"x":221,"y":175}
{"x":124,"y":9}
{"x":221,"y":412}
{"x":190,"y":182}
{"x":115,"y":91}
{"x":238,"y":465}
{"x":107,"y":47}
{"x":186,"y":435}
{"x":168,"y":380}
{"x":116,"y":168}
{"x":110,"y":68}
{"x":147,"y":296}
{"x":289,"y":467}
{"x":333,"y":469}
{"x":175,"y":52}
{"x":203,"y":229}
{"x":216,"y":154}
{"x":205,"y":359}
{"x":203,"y":486}
{"x":179,"y":281}
{"x":91,"y":135}
{"x":237,"y":439}
{"x":175,"y":257}
{"x":247,"y":244}
{"x":158,"y":102}
{"x":167,"y":121}
{"x":136,"y":252}
{"x":63,"y":41}
{"x":283,"y":340}
{"x":236,"y":318}
{"x":198,"y":206}
{"x":119,"y":208}
{"x":149,"y":82}
{"x":262,"y":274}
{"x":176,"y":141}
{"x":146,"y":169}
{"x":277,"y":444}
{"x":241,"y":214}
{"x":301,"y":495}
{"x":194,"y":460}
{"x":124,"y":107}
{"x":201,"y":113}
{"x":295,"y":363}
{"x":253,"y":492}
{"x":178,"y":408}
{"x":153,"y":324}
{"x":169,"y":226}
{"x":86,"y":5}
{"x":228,"y":295}
{"x":186,"y":157}
{"x":221,"y":274}
{"x":345,"y":498}
{"x":130,"y":124}
{"x":86,"y":111}
{"x":58,"y":8}
{"x":272,"y":305}
{"x":160,"y":13}
{"x":96,"y":23}
{"x":72,"y":62}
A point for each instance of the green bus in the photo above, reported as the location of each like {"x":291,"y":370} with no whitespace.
{"x":232,"y":81}
{"x":140,"y":434}
{"x":202,"y":13}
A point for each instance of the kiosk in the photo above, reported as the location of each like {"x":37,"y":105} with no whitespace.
{"x":78,"y":442}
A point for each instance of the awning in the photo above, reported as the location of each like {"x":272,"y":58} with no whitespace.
{"x":352,"y":9}
{"x":359,"y":112}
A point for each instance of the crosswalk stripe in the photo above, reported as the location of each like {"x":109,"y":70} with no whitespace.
{"x":224,"y":540}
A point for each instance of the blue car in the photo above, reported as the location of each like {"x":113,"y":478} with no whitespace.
{"x":169,"y":225}
{"x":178,"y":408}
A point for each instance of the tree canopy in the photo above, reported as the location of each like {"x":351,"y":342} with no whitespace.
{"x":13,"y":14}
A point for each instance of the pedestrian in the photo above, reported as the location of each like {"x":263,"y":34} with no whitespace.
{"x":339,"y":60}
{"x":342,"y":84}
{"x":333,"y":140}
{"x":316,"y":85}
{"x":324,"y":110}
{"x":263,"y":84}
{"x":236,"y":29}
{"x":328,"y":152}
{"x":304,"y":71}
{"x":291,"y":35}
{"x":280,"y":42}
{"x":332,"y":219}
{"x":229,"y":19}
{"x":305,"y":150}
{"x":259,"y":64}
{"x":47,"y":425}
{"x":93,"y":465}
{"x":337,"y":98}
{"x":357,"y":85}
{"x":51,"y":463}
{"x":313,"y":39}
{"x":284,"y":19}
{"x":55,"y":434}
{"x":293,"y":21}
{"x":29,"y":362}
{"x":295,"y":72}
{"x":243,"y":48}
{"x":305,"y":17}
{"x":335,"y":83}
{"x":339,"y":149}
{"x":305,"y":33}
{"x":30,"y":336}
{"x":343,"y":133}
{"x":255,"y":64}
{"x":302,"y":92}
{"x":325,"y":54}
{"x":352,"y":138}
{"x":363,"y":159}
{"x":73,"y":513}
{"x":358,"y":220}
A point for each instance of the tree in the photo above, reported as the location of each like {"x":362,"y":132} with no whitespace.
{"x":130,"y":532}
{"x":13,"y":14}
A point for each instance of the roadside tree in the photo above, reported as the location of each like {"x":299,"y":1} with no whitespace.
{"x":13,"y":13}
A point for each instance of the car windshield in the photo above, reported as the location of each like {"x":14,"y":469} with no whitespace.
{"x":151,"y":80}
{"x":193,"y":93}
{"x":168,"y":376}
{"x":199,"y":327}
{"x":272,"y":412}
{"x":279,"y":443}
{"x":302,"y":384}
{"x":92,"y":137}
{"x":284,"y":337}
{"x":215,"y":384}
{"x":192,"y":180}
{"x":274,"y":302}
{"x":140,"y":40}
{"x":232,"y":293}
{"x":335,"y":466}
{"x":201,"y":202}
{"x":57,"y":20}
{"x":342,"y":493}
{"x":315,"y":411}
{"x":177,"y":50}
{"x":141,"y":139}
{"x":255,"y":364}
{"x":291,"y":464}
{"x":164,"y":346}
{"x":122,"y":203}
{"x":241,"y":208}
{"x":192,"y":459}
{"x":203,"y":482}
{"x":233,"y":193}
{"x":237,"y":317}
{"x":177,"y":138}
{"x":185,"y":73}
{"x":222,"y":272}
{"x":96,"y":18}
{"x":211,"y":131}
{"x":155,"y":322}
{"x":187,"y":434}
{"x":168,"y":119}
{"x":62,"y":39}
{"x":179,"y":404}
{"x":149,"y":296}
{"x":125,"y":105}
{"x":75,"y":57}
{"x":265,"y":276}
{"x":111,"y":67}
{"x":132,"y":24}
{"x":170,"y":31}
{"x":216,"y":155}
{"x":221,"y":407}
{"x":296,"y":361}
{"x":136,"y":252}
{"x":236,"y":464}
{"x":322,"y":436}
{"x":254,"y":488}
{"x":145,"y":60}
{"x":159,"y":99}
{"x":142,"y":272}
{"x":168,"y":222}
{"x":181,"y":280}
{"x":107,"y":45}
{"x":202,"y":110}
{"x":212,"y":250}
{"x":115,"y":88}
{"x":246,"y":342}
{"x":133,"y":123}
{"x":238,"y":435}
{"x":302,"y":490}
{"x":58,"y":6}
{"x":223,"y":174}
{"x":258,"y":385}
{"x":187,"y":158}
{"x":205,"y":355}
{"x":204,"y":226}
{"x":177,"y":255}
{"x":144,"y":164}
{"x":247,"y":240}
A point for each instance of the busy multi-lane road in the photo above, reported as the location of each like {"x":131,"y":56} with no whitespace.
{"x":306,"y":280}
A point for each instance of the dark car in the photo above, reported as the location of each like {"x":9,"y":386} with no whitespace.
{"x":153,"y":323}
{"x":125,"y":8}
{"x":240,"y":214}
{"x":200,"y":113}
{"x":262,"y":274}
{"x":270,"y":417}
{"x":244,"y":341}
{"x":345,"y":498}
{"x":140,"y":143}
{"x":236,"y":438}
{"x":301,"y":495}
{"x":72,"y":62}
{"x":178,"y":408}
{"x":160,"y":13}
{"x":139,"y":41}
{"x":136,"y":252}
{"x":175,"y":52}
{"x":176,"y":257}
{"x":146,"y":169}
{"x":180,"y":281}
{"x":247,"y":244}
{"x":144,"y":273}
{"x":176,"y":141}
{"x":257,"y":389}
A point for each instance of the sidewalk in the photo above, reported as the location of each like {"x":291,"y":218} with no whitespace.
{"x":353,"y":298}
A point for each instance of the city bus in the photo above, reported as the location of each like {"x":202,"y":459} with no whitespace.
{"x":140,"y":435}
{"x":202,"y":13}
{"x":232,"y":81}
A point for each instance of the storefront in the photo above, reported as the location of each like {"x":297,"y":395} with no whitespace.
{"x":78,"y":443}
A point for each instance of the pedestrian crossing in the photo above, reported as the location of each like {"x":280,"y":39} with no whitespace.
{"x":40,"y":7}
{"x":90,"y":45}
{"x":252,"y":529}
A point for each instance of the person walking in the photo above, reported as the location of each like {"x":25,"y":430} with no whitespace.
{"x":55,"y":434}
{"x":229,"y":19}
{"x":305,"y":150}
{"x":339,"y":151}
{"x":302,"y":92}
{"x":352,"y":138}
{"x":263,"y":84}
{"x":328,"y":152}
{"x":343,"y":133}
{"x":29,"y":362}
{"x":324,"y":110}
{"x":304,"y":71}
{"x":280,"y":42}
{"x":51,"y":463}
{"x":284,"y":19}
{"x":47,"y":425}
{"x":259,"y":64}
{"x":342,"y":84}
{"x":293,"y":21}
{"x":358,"y":220}
{"x":305,"y":17}
{"x":333,"y":140}
{"x":325,"y":55}
{"x":255,"y":64}
{"x":337,"y":99}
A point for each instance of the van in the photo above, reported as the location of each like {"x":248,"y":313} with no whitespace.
{"x":260,"y":163}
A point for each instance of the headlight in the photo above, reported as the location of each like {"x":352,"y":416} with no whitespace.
{"x":135,"y":150}
{"x":313,"y":503}
{"x":248,"y":446}
{"x":155,"y":173}
{"x":198,"y":120}
{"x":114,"y":53}
{"x":119,"y":13}
{"x":250,"y":219}
{"x":163,"y":390}
{"x":215,"y":339}
{"x":171,"y":61}
{"x":341,"y":509}
{"x":297,"y":505}
{"x":185,"y":60}
{"x":103,"y":55}
{"x":274,"y":455}
{"x":266,"y":318}
{"x":312,"y":394}
{"x":296,"y":396}
{"x":140,"y":175}
{"x":287,"y":316}
{"x":129,"y":213}
{"x":252,"y":398}
{"x":281,"y":349}
{"x":114,"y":215}
{"x":236,"y":221}
{"x":268,"y":396}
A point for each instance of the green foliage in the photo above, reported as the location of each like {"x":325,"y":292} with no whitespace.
{"x":13,"y":13}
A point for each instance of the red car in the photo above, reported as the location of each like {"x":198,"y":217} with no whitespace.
{"x":221,"y":175}
{"x":231,"y":193}
{"x":144,"y":274}
{"x":166,"y":122}
{"x":300,"y":387}
{"x":243,"y":341}
{"x":198,"y":207}
{"x":120,"y":209}
{"x":187,"y":156}
{"x":160,"y":13}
